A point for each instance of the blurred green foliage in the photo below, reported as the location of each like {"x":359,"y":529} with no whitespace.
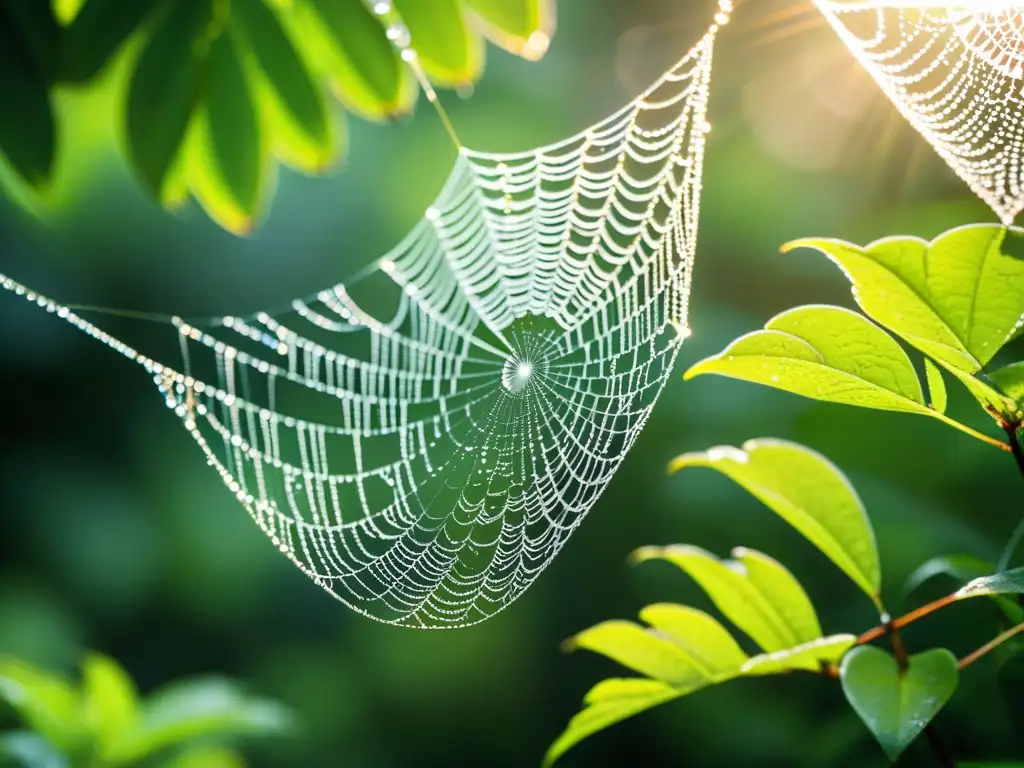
{"x":221,"y":89}
{"x":100,"y":722}
{"x":115,"y":535}
{"x":960,"y":300}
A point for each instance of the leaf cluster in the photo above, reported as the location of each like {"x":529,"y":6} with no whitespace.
{"x":959,"y":300}
{"x":99,"y":720}
{"x":220,"y":91}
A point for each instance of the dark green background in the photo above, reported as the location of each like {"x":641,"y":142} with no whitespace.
{"x":115,"y":535}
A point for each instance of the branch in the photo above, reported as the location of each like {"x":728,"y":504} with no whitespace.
{"x":991,"y":645}
{"x":1018,"y":532}
{"x":906,"y":619}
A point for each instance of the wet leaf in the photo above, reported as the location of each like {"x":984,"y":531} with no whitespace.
{"x":228,"y":161}
{"x":897,"y":706}
{"x":810,"y":493}
{"x":766,"y":603}
{"x":824,"y":353}
{"x":810,"y":657}
{"x":450,"y":54}
{"x":166,"y":87}
{"x":524,"y":27}
{"x":349,"y":45}
{"x":293,"y":105}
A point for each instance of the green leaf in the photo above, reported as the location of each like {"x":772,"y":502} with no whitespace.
{"x":65,"y":11}
{"x":896,"y":707}
{"x":97,"y":32}
{"x":228,"y":158}
{"x":200,"y":708}
{"x":610,"y":702}
{"x":963,"y":569}
{"x":524,"y":27}
{"x":824,"y":353}
{"x":448,"y":51}
{"x":293,"y":105}
{"x":109,"y":705}
{"x":1005,"y":583}
{"x":21,"y":749}
{"x":936,"y":386}
{"x":810,"y":657}
{"x":166,"y":86}
{"x":206,"y":757}
{"x":958,"y":299}
{"x":45,"y":702}
{"x":766,"y":603}
{"x":349,"y":45}
{"x":810,"y":493}
{"x":28,"y":135}
{"x":706,"y":642}
{"x":641,"y":650}
{"x":1010,"y":381}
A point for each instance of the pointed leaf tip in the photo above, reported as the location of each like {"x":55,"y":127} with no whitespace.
{"x":808,"y":492}
{"x":897,"y":706}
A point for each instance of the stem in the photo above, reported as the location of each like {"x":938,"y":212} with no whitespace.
{"x":899,"y":650}
{"x":906,"y":619}
{"x":1015,"y":446}
{"x":942,"y":753}
{"x":1018,"y":532}
{"x":991,"y":645}
{"x":973,"y":432}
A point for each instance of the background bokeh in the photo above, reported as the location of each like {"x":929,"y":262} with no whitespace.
{"x":114,"y":534}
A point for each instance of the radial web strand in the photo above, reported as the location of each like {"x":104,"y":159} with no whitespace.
{"x":955,"y":70}
{"x":422,"y":440}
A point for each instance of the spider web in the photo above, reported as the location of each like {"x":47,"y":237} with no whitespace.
{"x":955,"y":70}
{"x":422,"y":440}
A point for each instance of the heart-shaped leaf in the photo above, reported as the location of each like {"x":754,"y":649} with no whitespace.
{"x":764,"y":600}
{"x":897,"y":705}
{"x":807,"y":491}
{"x":824,"y":353}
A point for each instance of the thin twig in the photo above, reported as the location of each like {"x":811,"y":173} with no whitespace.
{"x":942,"y":753}
{"x":972,"y":432}
{"x":991,"y":645}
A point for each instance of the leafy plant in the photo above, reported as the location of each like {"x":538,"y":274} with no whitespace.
{"x":959,"y":300}
{"x":99,"y":721}
{"x":221,"y":90}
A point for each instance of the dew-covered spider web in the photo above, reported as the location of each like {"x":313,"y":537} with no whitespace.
{"x":955,"y":70}
{"x":422,"y":440}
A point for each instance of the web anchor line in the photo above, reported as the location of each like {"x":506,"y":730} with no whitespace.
{"x":422,"y":440}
